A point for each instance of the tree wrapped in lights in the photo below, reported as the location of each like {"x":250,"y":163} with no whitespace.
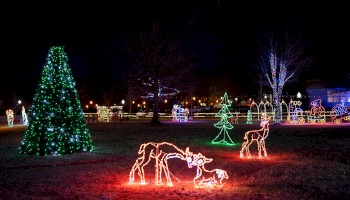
{"x":281,"y":63}
{"x":56,"y":124}
{"x":224,"y":125}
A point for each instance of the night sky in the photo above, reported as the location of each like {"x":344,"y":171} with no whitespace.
{"x":222,"y":34}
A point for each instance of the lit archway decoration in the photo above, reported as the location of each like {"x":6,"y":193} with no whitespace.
{"x":258,"y":137}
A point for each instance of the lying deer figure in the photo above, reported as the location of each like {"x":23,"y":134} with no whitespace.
{"x":204,"y":177}
{"x":257,"y":136}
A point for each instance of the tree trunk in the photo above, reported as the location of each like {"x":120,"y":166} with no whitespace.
{"x":155,"y":118}
{"x":277,"y":105}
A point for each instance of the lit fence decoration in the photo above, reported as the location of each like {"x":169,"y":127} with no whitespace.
{"x":162,"y":152}
{"x":180,"y":114}
{"x":258,"y":137}
{"x":317,"y":112}
{"x":340,"y":112}
{"x":206,"y":178}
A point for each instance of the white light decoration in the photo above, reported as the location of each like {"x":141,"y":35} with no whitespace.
{"x":296,"y":114}
{"x":162,"y":152}
{"x":258,"y":137}
{"x":24,"y":116}
{"x":339,"y":113}
{"x":317,"y":112}
{"x":234,"y":119}
{"x":206,"y":178}
{"x":180,"y":114}
{"x":10,"y":117}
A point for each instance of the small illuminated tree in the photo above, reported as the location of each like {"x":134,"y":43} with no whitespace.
{"x":249,"y":117}
{"x":224,"y":125}
{"x":56,"y":124}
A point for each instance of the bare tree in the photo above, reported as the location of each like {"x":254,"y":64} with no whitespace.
{"x":280,"y":63}
{"x":161,"y":62}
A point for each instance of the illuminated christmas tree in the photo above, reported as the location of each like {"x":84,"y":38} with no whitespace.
{"x":249,"y":117}
{"x":224,"y":125}
{"x":56,"y":124}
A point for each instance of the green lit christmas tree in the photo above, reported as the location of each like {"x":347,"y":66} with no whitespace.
{"x":224,"y":125}
{"x":56,"y":124}
{"x":249,"y":117}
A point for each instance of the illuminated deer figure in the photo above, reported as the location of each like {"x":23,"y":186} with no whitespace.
{"x":161,"y":152}
{"x":257,"y":136}
{"x":204,"y":177}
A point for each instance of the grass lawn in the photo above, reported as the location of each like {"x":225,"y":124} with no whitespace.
{"x":309,"y":161}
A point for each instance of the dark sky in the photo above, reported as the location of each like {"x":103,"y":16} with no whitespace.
{"x":222,"y":34}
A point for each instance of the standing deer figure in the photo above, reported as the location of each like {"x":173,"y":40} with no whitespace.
{"x":257,"y":136}
{"x":160,"y":152}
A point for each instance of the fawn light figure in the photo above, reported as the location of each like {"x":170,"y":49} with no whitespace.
{"x":206,"y":178}
{"x":257,"y":136}
{"x":160,"y":152}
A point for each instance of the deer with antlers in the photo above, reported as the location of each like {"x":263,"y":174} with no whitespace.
{"x":258,"y":137}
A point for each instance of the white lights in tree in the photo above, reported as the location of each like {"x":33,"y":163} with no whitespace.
{"x":257,"y":137}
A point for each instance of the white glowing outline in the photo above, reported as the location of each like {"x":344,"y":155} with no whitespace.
{"x":257,"y":136}
{"x":206,"y":178}
{"x":10,"y":117}
{"x":152,"y":150}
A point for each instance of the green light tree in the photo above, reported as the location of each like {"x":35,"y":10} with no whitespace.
{"x":224,"y":125}
{"x":56,"y":124}
{"x":249,"y":117}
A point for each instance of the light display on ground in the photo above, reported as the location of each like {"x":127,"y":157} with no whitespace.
{"x":339,"y":113}
{"x":257,"y":137}
{"x":249,"y":117}
{"x":10,"y":117}
{"x":317,"y":112}
{"x":162,"y":152}
{"x":180,"y":114}
{"x":295,"y":112}
{"x":224,"y":125}
{"x":24,"y":116}
{"x":206,"y":178}
{"x":234,"y":119}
